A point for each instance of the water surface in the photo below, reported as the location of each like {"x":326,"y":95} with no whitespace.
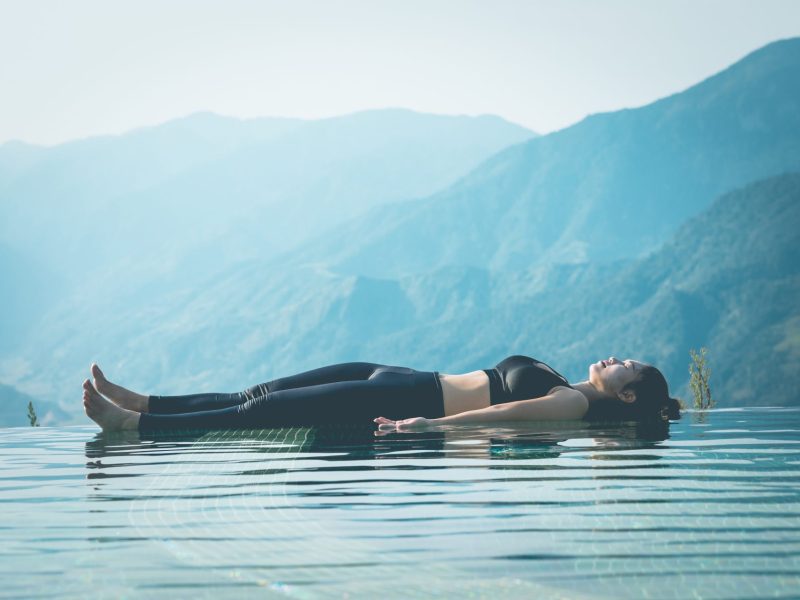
{"x":707,"y":509}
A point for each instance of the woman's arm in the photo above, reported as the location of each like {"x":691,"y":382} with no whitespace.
{"x":565,"y":404}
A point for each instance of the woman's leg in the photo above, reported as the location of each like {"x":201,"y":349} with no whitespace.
{"x":393,"y":392}
{"x":349,"y":371}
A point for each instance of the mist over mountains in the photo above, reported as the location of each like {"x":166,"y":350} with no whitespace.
{"x":163,"y":208}
{"x":169,"y":192}
{"x":210,"y":253}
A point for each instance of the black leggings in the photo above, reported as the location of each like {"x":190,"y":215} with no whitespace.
{"x":353,"y":392}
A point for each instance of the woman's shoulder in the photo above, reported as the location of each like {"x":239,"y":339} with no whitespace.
{"x":570,"y":394}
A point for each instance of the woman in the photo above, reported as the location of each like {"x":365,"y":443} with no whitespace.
{"x":518,"y":388}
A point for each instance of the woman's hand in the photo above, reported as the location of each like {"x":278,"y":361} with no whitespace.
{"x":385,"y":424}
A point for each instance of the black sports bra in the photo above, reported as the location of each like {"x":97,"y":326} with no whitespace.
{"x":520,"y":378}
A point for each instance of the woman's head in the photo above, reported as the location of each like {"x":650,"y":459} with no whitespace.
{"x":632,"y":389}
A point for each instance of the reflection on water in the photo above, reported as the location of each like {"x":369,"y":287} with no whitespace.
{"x":566,"y":510}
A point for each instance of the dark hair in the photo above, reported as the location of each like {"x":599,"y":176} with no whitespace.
{"x":653,"y":401}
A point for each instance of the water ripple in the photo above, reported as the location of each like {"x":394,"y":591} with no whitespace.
{"x":708,"y":508}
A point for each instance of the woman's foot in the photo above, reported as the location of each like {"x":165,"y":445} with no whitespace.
{"x":118,"y":394}
{"x":107,"y":414}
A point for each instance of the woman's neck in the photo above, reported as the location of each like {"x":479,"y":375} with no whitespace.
{"x":588,"y":390}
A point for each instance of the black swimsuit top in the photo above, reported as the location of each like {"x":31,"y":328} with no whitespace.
{"x":521,"y":378}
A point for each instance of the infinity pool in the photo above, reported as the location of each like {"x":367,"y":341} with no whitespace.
{"x":709,"y":509}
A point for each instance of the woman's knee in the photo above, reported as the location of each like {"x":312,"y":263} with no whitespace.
{"x":254,"y":406}
{"x":261,"y":389}
{"x":275,"y":410}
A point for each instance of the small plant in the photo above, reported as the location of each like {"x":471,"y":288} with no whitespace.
{"x":699,"y":374}
{"x":32,"y":415}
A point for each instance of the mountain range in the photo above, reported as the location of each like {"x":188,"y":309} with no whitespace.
{"x":163,"y":208}
{"x":642,"y":232}
{"x":614,"y":186}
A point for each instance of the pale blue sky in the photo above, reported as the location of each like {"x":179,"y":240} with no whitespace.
{"x":79,"y":68}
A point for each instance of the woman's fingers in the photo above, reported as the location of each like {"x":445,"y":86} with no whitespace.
{"x":385,"y":424}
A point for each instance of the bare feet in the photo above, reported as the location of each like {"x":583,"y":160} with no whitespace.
{"x":118,"y":394}
{"x":107,"y":414}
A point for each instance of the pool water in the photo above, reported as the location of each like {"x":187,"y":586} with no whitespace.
{"x":708,"y":509}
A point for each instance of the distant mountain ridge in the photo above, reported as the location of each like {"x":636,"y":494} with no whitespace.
{"x":14,"y":409}
{"x":161,"y":208}
{"x":614,"y":186}
{"x":260,"y":184}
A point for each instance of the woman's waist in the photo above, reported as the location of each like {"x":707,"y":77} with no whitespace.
{"x":466,"y":391}
{"x":471,"y":380}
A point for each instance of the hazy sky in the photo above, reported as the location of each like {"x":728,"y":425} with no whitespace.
{"x":78,"y":68}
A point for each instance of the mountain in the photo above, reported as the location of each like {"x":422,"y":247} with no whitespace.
{"x":226,"y":188}
{"x":29,"y":289}
{"x":14,"y":409}
{"x":728,"y":279}
{"x":143,"y":156}
{"x":133,"y":217}
{"x":60,"y":206}
{"x":614,"y":186}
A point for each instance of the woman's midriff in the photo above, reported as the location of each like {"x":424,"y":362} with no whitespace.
{"x":469,"y":391}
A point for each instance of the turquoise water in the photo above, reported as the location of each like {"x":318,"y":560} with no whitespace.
{"x":708,"y":510}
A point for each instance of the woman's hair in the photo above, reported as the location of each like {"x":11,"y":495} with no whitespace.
{"x":653,"y":401}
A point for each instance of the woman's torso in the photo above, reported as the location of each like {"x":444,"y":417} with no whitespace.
{"x":522,"y":377}
{"x":468,"y":391}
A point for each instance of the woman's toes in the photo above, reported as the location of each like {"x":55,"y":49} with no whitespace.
{"x":100,"y":381}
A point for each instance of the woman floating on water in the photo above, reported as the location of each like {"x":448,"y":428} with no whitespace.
{"x":518,"y":389}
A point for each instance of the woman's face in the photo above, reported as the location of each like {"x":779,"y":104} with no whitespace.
{"x":611,"y":375}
